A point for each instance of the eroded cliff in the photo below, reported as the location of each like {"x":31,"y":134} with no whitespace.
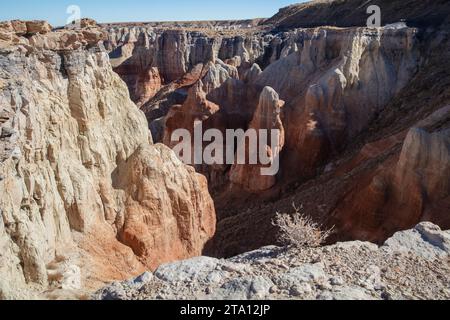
{"x":85,"y":195}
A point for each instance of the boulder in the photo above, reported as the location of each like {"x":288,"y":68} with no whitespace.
{"x":19,"y":27}
{"x":41,"y":27}
{"x":193,"y":270}
{"x":426,"y":240}
{"x":88,"y":23}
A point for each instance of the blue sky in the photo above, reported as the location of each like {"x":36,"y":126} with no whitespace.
{"x":54,"y":11}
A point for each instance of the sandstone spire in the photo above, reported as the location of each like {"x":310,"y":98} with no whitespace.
{"x":267,"y":116}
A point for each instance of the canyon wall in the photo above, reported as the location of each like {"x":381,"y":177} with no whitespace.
{"x":334,"y":81}
{"x":85,"y":195}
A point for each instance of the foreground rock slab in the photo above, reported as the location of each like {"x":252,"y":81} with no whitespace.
{"x":413,"y":264}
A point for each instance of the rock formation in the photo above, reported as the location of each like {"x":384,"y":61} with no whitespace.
{"x":168,"y":211}
{"x":267,"y":117}
{"x":12,"y":32}
{"x":424,"y":160}
{"x":85,"y":196}
{"x":334,"y":87}
{"x":173,"y":52}
{"x":344,"y":271}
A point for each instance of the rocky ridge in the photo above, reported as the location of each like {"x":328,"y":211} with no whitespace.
{"x":411,"y":265}
{"x":219,"y":25}
{"x":353,"y":13}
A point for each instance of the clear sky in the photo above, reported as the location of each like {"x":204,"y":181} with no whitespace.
{"x":54,"y":11}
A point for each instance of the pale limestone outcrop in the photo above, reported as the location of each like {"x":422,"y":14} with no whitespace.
{"x":67,"y":127}
{"x":20,"y":28}
{"x":88,"y":23}
{"x":252,"y":74}
{"x":217,"y":74}
{"x":63,"y":40}
{"x":426,"y":240}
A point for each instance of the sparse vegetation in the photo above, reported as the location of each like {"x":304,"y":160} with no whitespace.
{"x":299,"y":230}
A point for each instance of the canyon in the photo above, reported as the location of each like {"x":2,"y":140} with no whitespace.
{"x":356,"y":145}
{"x":92,"y":193}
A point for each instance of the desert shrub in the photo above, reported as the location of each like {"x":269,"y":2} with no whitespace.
{"x":299,"y":230}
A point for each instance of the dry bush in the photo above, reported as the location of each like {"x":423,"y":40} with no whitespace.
{"x":300,"y":230}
